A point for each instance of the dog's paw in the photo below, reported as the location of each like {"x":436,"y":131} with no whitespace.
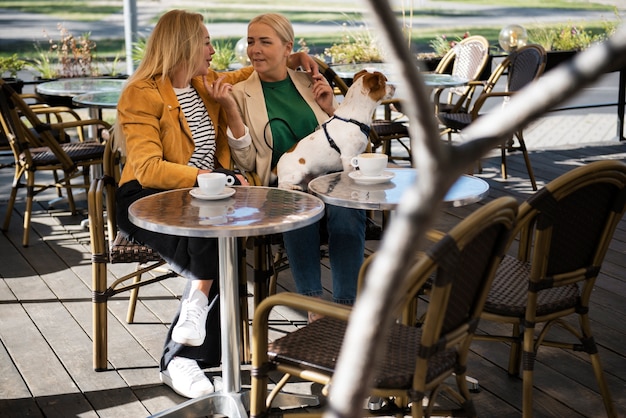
{"x":289,"y":186}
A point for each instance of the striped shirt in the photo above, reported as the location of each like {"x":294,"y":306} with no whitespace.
{"x":201,"y":125}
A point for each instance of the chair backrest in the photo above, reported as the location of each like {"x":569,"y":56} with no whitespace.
{"x":338,"y":84}
{"x":566,"y":227}
{"x":525,"y":65}
{"x":522,"y":66}
{"x":464,"y":263}
{"x":16,"y":113}
{"x":468,"y":58}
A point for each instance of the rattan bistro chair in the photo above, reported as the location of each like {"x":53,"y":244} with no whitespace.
{"x":108,"y":246}
{"x":36,"y":149}
{"x":564,"y":231}
{"x":523,"y":66}
{"x":468,"y":59}
{"x":417,"y":359}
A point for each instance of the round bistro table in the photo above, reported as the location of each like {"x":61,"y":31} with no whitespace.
{"x":342,"y":190}
{"x":249,"y":211}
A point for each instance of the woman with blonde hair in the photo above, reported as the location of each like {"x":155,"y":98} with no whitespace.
{"x":172,"y":130}
{"x":277,"y":108}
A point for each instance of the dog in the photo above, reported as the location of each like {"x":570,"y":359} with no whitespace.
{"x":339,"y":139}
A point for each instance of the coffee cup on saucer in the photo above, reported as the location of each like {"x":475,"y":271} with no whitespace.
{"x":212,"y":184}
{"x":370,"y":164}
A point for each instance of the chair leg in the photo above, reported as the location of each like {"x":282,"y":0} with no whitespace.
{"x":99,"y":319}
{"x":11,"y":202}
{"x":514,"y":353}
{"x":30,"y":193}
{"x":522,"y":145}
{"x":245,"y":353}
{"x":503,"y":162}
{"x":528,"y":365}
{"x":55,"y":175}
{"x":132,"y":300}
{"x":262,"y":268}
{"x":591,"y":348}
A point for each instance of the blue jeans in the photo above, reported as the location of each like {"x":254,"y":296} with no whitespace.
{"x":346,"y":245}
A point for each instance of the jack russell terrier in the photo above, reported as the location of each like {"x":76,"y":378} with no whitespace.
{"x":343,"y":136}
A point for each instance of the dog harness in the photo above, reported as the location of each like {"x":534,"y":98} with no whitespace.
{"x":364,"y":128}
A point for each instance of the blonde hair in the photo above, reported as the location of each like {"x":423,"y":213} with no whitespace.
{"x":176,"y":41}
{"x":279,"y":23}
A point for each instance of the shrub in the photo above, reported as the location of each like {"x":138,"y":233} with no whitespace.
{"x":11,"y":65}
{"x":355,"y":46}
{"x":224,"y":55}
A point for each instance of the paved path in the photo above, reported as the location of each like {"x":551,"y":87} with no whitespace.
{"x":587,"y":126}
{"x":30,"y":26}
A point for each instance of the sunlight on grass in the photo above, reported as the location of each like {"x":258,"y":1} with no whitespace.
{"x":325,"y":12}
{"x":65,"y":10}
{"x":546,"y":4}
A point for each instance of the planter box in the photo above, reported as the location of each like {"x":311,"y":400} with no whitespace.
{"x":16,"y":83}
{"x":556,"y":58}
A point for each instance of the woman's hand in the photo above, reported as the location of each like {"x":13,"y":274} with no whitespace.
{"x":323,"y":93}
{"x":304,"y":61}
{"x":220,"y":91}
{"x":242,"y":178}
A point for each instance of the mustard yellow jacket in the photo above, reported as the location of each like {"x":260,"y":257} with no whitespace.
{"x":156,"y":136}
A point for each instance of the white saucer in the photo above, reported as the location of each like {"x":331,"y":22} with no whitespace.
{"x":227,"y":192}
{"x":361,"y":179}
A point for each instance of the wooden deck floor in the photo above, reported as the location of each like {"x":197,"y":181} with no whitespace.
{"x":45,"y":321}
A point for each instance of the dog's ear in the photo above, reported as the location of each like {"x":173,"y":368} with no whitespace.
{"x":359,"y":74}
{"x":376,"y":81}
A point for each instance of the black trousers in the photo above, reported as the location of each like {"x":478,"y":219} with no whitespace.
{"x":192,"y":258}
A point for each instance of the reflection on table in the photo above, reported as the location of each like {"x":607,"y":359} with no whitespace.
{"x":62,"y":92}
{"x":98,"y":99}
{"x":250,"y":211}
{"x":433,"y":80}
{"x":341,"y":190}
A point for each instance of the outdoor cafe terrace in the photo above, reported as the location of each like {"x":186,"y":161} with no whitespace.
{"x":46,"y":331}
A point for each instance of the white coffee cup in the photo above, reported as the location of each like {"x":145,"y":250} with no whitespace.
{"x":370,"y":164}
{"x":213,"y":183}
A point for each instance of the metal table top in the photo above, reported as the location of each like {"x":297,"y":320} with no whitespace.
{"x":69,"y":87}
{"x":341,"y":190}
{"x":433,"y":80}
{"x":249,"y":211}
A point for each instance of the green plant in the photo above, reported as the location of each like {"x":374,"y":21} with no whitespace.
{"x":442,"y":44}
{"x":139,"y":49}
{"x":356,"y":46}
{"x":11,"y":65}
{"x":570,"y":37}
{"x":224,"y":55}
{"x":112,"y":67}
{"x":43,"y":64}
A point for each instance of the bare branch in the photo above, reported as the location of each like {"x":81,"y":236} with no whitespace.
{"x":439,"y":166}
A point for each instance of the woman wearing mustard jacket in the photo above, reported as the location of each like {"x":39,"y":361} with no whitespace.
{"x":172,"y":131}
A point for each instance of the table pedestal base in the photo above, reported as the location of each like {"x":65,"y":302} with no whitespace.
{"x":233,"y":405}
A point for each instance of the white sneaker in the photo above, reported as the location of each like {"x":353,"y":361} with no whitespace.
{"x":186,"y":378}
{"x":191,"y":326}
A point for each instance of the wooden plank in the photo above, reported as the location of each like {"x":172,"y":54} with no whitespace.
{"x":33,"y":356}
